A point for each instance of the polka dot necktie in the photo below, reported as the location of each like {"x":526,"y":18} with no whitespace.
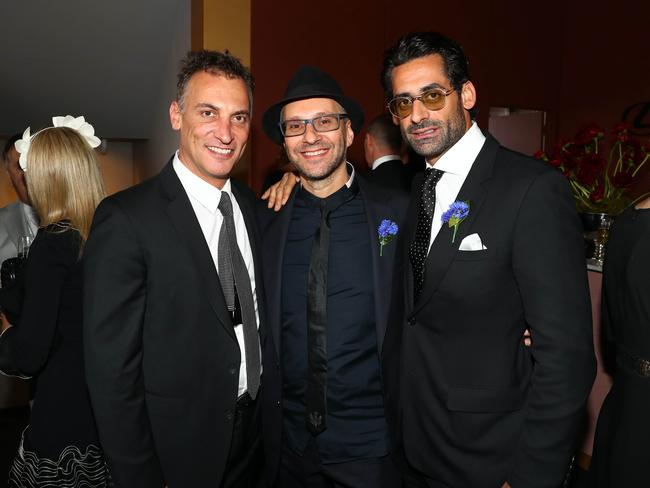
{"x":420,"y":246}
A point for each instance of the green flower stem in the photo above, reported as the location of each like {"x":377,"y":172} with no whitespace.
{"x":381,"y":249}
{"x":640,"y":165}
{"x":453,"y":238}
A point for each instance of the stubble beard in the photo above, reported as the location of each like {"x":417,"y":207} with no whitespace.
{"x":313,"y":176}
{"x":448,"y":135}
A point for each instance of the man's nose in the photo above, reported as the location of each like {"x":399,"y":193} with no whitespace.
{"x":419,"y":112}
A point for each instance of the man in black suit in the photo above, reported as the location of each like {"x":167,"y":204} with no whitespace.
{"x":329,"y":276}
{"x":476,"y":407}
{"x":172,"y":348}
{"x":382,"y":147}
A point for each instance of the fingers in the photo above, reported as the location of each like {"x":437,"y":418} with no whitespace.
{"x":282,"y":191}
{"x":527,"y":339}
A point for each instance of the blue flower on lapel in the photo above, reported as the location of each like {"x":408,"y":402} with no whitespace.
{"x":387,"y":230}
{"x":455,"y":214}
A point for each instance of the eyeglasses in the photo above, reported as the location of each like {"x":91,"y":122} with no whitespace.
{"x":322,"y":123}
{"x":433,"y":99}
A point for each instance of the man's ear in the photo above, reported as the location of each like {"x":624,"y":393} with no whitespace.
{"x":468,"y":95}
{"x":175,"y":115}
{"x":349,"y":134}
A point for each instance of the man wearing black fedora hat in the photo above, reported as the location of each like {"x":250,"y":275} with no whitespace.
{"x":328,"y":257}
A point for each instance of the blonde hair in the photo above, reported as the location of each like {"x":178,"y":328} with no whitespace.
{"x":63,"y":178}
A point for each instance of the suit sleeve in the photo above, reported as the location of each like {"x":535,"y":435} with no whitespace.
{"x":549,"y":265}
{"x":26,"y":348}
{"x":115,"y":274}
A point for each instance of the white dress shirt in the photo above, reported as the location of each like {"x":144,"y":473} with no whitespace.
{"x":455,"y":164}
{"x":205,"y":201}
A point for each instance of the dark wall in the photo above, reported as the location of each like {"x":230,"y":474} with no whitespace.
{"x":581,"y":61}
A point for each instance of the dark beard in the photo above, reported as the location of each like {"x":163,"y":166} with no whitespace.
{"x":448,"y":135}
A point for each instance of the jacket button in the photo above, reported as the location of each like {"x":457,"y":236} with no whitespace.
{"x":411,"y":321}
{"x":277,"y":404}
{"x":232,"y":369}
{"x":228,"y":414}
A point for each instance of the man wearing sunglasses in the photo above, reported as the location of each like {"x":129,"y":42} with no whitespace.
{"x":492,"y":246}
{"x":329,"y":275}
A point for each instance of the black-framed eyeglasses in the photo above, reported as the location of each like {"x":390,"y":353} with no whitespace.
{"x":433,"y":99}
{"x":322,"y":123}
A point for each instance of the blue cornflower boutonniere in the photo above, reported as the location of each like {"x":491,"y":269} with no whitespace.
{"x":387,"y":230}
{"x":455,"y":214}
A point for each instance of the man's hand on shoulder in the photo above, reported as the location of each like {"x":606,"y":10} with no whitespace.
{"x":278,"y":194}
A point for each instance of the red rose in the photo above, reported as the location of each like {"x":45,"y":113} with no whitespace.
{"x":587,"y":175}
{"x":598,"y":194}
{"x":620,"y":131}
{"x":540,"y":155}
{"x":588,"y":134}
{"x":594,"y":160}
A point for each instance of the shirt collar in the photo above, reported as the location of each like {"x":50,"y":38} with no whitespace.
{"x":351,"y":173}
{"x":202,"y":191}
{"x":383,"y":159}
{"x":459,"y":158}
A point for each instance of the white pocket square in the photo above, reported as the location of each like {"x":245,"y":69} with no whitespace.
{"x":472,"y":243}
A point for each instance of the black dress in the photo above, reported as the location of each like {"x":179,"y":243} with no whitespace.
{"x":621,"y":456}
{"x":60,"y":447}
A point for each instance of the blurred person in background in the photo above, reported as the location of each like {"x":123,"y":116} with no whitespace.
{"x":621,"y":455}
{"x":60,"y":447}
{"x":382,"y":147}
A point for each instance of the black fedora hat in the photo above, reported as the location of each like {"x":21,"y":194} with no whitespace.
{"x":310,"y":82}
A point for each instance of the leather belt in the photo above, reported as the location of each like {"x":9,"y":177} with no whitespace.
{"x":633,"y":364}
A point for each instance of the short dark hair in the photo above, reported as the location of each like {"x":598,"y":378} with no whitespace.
{"x":10,"y":143}
{"x":383,"y":129}
{"x":419,"y":44}
{"x":214,"y":62}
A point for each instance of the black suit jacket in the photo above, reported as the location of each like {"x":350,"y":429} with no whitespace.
{"x":392,"y":175}
{"x":162,"y":358}
{"x":476,"y":406}
{"x":379,"y":205}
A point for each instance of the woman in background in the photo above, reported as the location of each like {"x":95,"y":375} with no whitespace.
{"x":60,"y":447}
{"x":621,"y":457}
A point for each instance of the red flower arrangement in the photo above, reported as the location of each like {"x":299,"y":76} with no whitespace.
{"x":601,"y":184}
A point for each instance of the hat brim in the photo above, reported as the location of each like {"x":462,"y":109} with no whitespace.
{"x":271,"y":117}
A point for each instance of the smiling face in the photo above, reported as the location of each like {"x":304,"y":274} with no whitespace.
{"x":214,"y":123}
{"x":432,"y":132}
{"x":319,"y":156}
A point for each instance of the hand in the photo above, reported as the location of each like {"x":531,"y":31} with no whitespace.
{"x":5,"y":323}
{"x":527,"y":339}
{"x":506,"y":485}
{"x":279,"y":193}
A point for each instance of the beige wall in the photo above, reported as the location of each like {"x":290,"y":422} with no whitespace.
{"x":227,"y":25}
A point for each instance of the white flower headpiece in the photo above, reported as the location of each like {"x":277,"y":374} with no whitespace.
{"x":77,"y":123}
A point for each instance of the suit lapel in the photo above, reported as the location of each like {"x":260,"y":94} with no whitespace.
{"x":409,"y":231}
{"x":180,"y":211}
{"x":275,"y":238}
{"x":442,"y":250}
{"x":382,"y":266}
